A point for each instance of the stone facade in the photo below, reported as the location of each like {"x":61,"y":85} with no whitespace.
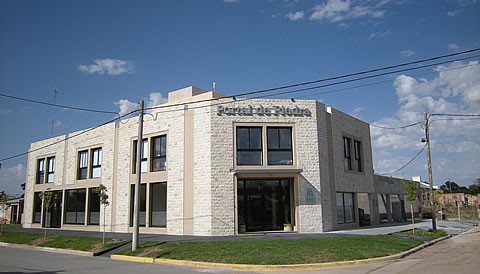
{"x":201,"y":171}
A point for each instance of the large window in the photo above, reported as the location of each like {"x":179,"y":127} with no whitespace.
{"x":345,"y":208}
{"x":50,"y":169}
{"x":347,"y":155}
{"x":159,"y":153}
{"x":37,"y":208}
{"x":96,"y":163}
{"x":93,"y":207}
{"x":249,"y":146}
{"x":279,"y":146}
{"x":82,"y":164}
{"x":143,"y":156}
{"x":357,"y":155}
{"x":143,"y":204}
{"x":40,"y":171}
{"x":158,"y":204}
{"x":75,"y":206}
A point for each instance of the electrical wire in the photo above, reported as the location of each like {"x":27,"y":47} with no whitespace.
{"x":66,"y":138}
{"x":457,"y":115}
{"x":400,"y":127}
{"x":338,"y":77}
{"x":411,"y":160}
{"x":57,"y":105}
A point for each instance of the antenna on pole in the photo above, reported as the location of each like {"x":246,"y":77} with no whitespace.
{"x":213,"y":86}
{"x":54,"y":103}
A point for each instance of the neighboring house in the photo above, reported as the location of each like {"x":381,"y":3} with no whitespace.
{"x":13,"y":213}
{"x":462,"y":198}
{"x":210,"y":166}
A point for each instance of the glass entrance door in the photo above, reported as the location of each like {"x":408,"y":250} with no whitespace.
{"x":264,"y":205}
{"x":54,"y":212}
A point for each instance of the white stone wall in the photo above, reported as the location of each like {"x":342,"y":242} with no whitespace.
{"x":351,"y":181}
{"x":307,"y":158}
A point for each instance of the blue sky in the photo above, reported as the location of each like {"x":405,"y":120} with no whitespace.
{"x":110,"y":54}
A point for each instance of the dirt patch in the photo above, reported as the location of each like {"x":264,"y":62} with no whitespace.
{"x":97,"y":247}
{"x":148,"y":250}
{"x":40,"y":241}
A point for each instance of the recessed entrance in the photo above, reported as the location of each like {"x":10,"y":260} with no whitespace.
{"x":264,"y":205}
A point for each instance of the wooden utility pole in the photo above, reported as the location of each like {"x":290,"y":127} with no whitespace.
{"x":430,"y":176}
{"x":138,"y":172}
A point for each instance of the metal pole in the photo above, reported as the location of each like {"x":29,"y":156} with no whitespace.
{"x":430,"y":176}
{"x":136,"y":203}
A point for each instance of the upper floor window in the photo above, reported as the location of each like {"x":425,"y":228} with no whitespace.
{"x":96,"y":162}
{"x":159,"y":153}
{"x":50,"y":169}
{"x":352,"y":162}
{"x":249,"y":146}
{"x":357,"y":155}
{"x":40,"y":171}
{"x":82,"y":164}
{"x":347,"y":153}
{"x":279,"y":146}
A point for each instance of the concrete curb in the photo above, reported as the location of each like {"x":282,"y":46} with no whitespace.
{"x":49,"y":249}
{"x":277,"y":267}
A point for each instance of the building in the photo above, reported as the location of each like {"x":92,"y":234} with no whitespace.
{"x":210,"y":165}
{"x":13,"y":211}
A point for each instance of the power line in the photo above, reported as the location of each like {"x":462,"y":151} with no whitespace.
{"x":66,"y":138}
{"x":337,"y":77}
{"x":411,"y":160}
{"x":457,"y":115}
{"x":56,"y":105}
{"x":360,"y":73}
{"x":400,"y":127}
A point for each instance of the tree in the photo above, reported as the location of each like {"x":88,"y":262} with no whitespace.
{"x":475,"y":187}
{"x":3,"y":206}
{"x":48,"y":197}
{"x":102,"y":193}
{"x":410,"y":187}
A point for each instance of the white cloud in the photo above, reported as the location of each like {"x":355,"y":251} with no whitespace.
{"x":455,"y":89}
{"x":125,"y":106}
{"x":295,"y":16}
{"x":154,"y":99}
{"x":407,"y":53}
{"x":344,"y":25}
{"x":453,"y":47}
{"x":453,"y":13}
{"x":109,"y":66}
{"x":5,"y":111}
{"x":230,"y":1}
{"x":356,"y":111}
{"x":378,"y":34}
{"x":338,"y":10}
{"x":11,"y":178}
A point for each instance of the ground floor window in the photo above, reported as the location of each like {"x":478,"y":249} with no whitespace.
{"x":93,"y":207}
{"x":75,"y":200}
{"x":158,"y":204}
{"x":37,"y":208}
{"x":264,"y":205}
{"x":142,"y":218}
{"x":345,"y":208}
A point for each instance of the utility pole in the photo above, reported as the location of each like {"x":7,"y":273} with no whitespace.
{"x":136,"y":203}
{"x":430,"y":176}
{"x":54,"y":103}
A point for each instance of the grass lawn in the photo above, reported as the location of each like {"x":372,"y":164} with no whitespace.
{"x":65,"y":242}
{"x":426,"y":234}
{"x":275,"y":252}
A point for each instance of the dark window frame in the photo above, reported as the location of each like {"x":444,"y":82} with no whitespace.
{"x":249,"y":149}
{"x":40,"y":178}
{"x":96,"y":162}
{"x":279,"y":141}
{"x":76,"y":206}
{"x":151,"y":200}
{"x":357,"y":151}
{"x":82,"y":171}
{"x":91,"y":203}
{"x":37,"y":208}
{"x":161,"y":155}
{"x":347,"y":152}
{"x":50,"y":169}
{"x":143,"y":156}
{"x":344,"y":221}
